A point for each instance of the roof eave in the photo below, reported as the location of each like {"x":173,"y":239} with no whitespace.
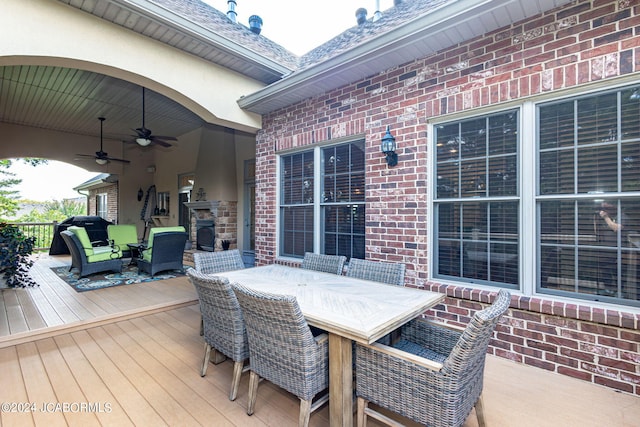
{"x":179,"y":23}
{"x":422,"y":28}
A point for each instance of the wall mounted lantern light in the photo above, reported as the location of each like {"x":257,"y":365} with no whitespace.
{"x":388,"y":147}
{"x":140,"y":194}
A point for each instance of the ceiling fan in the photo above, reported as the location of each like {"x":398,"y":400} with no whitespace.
{"x":102,"y":157}
{"x":144,"y":137}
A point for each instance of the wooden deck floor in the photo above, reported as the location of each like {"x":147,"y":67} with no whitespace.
{"x":141,"y":367}
{"x":55,"y":306}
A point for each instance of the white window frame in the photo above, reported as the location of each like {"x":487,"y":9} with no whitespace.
{"x":318,"y":227}
{"x":528,"y":181}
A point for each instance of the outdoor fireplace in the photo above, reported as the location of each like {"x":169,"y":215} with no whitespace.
{"x":212,"y":222}
{"x":205,"y":235}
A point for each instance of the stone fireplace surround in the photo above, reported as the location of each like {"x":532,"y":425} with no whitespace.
{"x":224,"y":215}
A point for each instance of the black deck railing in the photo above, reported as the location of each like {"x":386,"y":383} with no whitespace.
{"x":42,"y":231}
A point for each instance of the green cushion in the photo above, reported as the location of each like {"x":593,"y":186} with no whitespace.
{"x":98,"y":253}
{"x":82,"y":235}
{"x":104,"y":254}
{"x":122,"y":234}
{"x":146,"y":254}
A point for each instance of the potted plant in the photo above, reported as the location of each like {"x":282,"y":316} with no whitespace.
{"x":15,"y":252}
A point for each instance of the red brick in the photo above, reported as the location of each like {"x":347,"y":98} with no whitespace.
{"x":581,"y":375}
{"x":608,"y":382}
{"x":540,"y":364}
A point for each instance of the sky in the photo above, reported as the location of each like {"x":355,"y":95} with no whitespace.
{"x":53,"y":181}
{"x":298,"y":26}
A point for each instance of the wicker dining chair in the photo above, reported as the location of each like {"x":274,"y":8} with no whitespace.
{"x":217,"y":262}
{"x":433,"y":374}
{"x":224,"y":328}
{"x":283,"y":350}
{"x":384,"y":272}
{"x":324,"y":263}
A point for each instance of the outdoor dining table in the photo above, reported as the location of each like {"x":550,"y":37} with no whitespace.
{"x":348,"y":309}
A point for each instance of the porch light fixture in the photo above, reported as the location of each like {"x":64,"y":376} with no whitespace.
{"x":140,"y":194}
{"x":388,"y":147}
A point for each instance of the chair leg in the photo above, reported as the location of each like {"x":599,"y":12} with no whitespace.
{"x":235,"y":383}
{"x":361,"y":417}
{"x":305,"y":413}
{"x":205,"y":362}
{"x":480,"y":412}
{"x":254,"y":379}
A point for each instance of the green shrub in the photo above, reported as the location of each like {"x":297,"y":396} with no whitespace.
{"x":15,"y":251}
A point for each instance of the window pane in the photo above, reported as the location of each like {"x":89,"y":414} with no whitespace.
{"x":630,"y":167}
{"x":503,"y":133}
{"x":597,"y":119}
{"x":473,"y":138}
{"x":344,"y":230}
{"x":448,"y":142}
{"x":630,"y":100}
{"x":557,"y":173}
{"x":503,"y":178}
{"x":597,"y":169}
{"x":473,"y":178}
{"x":448,"y":183}
{"x":297,"y":230}
{"x":557,"y":126}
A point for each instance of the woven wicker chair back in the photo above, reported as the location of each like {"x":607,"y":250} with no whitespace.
{"x":224,"y":327}
{"x":471,"y":348}
{"x":217,"y":262}
{"x":325,"y":263}
{"x":383,"y":272}
{"x":281,"y":346}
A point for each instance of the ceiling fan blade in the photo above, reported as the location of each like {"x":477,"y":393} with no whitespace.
{"x":112,"y":159}
{"x":157,"y":141}
{"x":170,"y":138}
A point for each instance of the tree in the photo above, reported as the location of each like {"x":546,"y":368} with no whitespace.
{"x":9,"y":197}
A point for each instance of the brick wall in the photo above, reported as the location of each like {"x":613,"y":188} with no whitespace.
{"x":112,"y":202}
{"x":582,"y":43}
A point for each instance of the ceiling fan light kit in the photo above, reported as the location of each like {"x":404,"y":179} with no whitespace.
{"x":143,"y":141}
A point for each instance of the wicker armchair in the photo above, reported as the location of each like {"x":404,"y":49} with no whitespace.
{"x":89,"y":260}
{"x":283,"y":350}
{"x":325,"y":263}
{"x":165,"y":252}
{"x":217,"y":262}
{"x":433,"y":374}
{"x":224,"y":328}
{"x":384,"y":272}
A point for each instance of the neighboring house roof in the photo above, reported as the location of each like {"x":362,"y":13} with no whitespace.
{"x":97,"y":181}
